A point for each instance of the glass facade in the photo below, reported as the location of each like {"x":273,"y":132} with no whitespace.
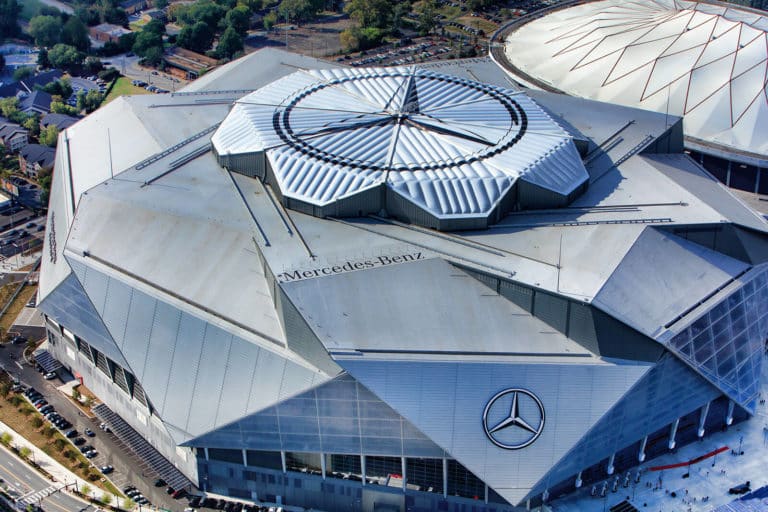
{"x":340,"y":416}
{"x":726,"y":343}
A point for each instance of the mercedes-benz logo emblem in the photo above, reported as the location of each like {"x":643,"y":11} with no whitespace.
{"x":513,"y":418}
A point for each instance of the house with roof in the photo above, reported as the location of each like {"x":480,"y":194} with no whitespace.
{"x":107,"y":32}
{"x":36,"y":101}
{"x":34,"y":158}
{"x":60,"y":121}
{"x":12,"y":135}
{"x":28,"y":85}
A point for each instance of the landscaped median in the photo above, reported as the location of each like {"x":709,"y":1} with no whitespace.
{"x":20,"y":416}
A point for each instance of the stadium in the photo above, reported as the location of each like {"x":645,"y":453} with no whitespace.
{"x":702,"y":60}
{"x":398,"y":288}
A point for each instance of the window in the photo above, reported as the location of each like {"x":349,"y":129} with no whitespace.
{"x":303,"y":462}
{"x":378,"y":470}
{"x":262,"y":459}
{"x":461,"y":482}
{"x":224,"y":455}
{"x":347,"y":467}
{"x":427,"y":474}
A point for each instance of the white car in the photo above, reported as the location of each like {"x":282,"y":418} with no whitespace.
{"x":50,"y":376}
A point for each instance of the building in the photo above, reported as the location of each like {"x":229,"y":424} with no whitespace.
{"x":36,"y":101}
{"x":703,"y":60}
{"x":13,"y":136}
{"x":188,"y":64}
{"x":28,"y":85}
{"x":34,"y":158}
{"x":402,"y":288}
{"x":107,"y":32}
{"x":133,"y":6}
{"x":60,"y":121}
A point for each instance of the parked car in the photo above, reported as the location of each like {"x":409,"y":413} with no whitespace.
{"x":89,"y":432}
{"x":106,"y":469}
{"x":159,"y":482}
{"x":72,"y":434}
{"x":46,"y":409}
{"x":91,"y":454}
{"x":78,"y":441}
{"x":50,"y":376}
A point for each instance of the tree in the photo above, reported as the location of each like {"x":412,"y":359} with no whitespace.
{"x":298,"y":10}
{"x":155,"y":26}
{"x":427,"y":17}
{"x":25,"y":452}
{"x":153,"y":56}
{"x":126,"y":41}
{"x":230,"y":43}
{"x":201,"y":11}
{"x":22,"y":73}
{"x":48,"y":136}
{"x":88,"y":15}
{"x":6,"y":438}
{"x":9,"y":14}
{"x":9,"y":108}
{"x":32,"y":123}
{"x":145,"y":41}
{"x":75,"y":33}
{"x":107,"y":498}
{"x":128,"y":504}
{"x":197,"y":37}
{"x":45,"y":29}
{"x":371,"y":13}
{"x":61,"y":87}
{"x":269,"y":20}
{"x":85,"y":489}
{"x":42,"y":59}
{"x":239,"y":19}
{"x":58,"y":107}
{"x":65,"y":56}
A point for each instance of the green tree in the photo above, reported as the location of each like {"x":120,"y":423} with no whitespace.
{"x":22,"y":73}
{"x":204,"y":11}
{"x":37,"y":422}
{"x":45,"y":29}
{"x":9,"y":14}
{"x":32,"y":123}
{"x":145,"y":41}
{"x":9,"y":108}
{"x":197,"y":37}
{"x":239,"y":19}
{"x":65,"y":56}
{"x":427,"y":17}
{"x":371,"y":13}
{"x":155,"y":26}
{"x":61,"y":87}
{"x":125,"y":43}
{"x":6,"y":438}
{"x":153,"y":56}
{"x":25,"y":452}
{"x":269,"y":20}
{"x":48,"y":136}
{"x":88,"y":15}
{"x":128,"y":504}
{"x":298,"y":10}
{"x":107,"y":498}
{"x":230,"y":43}
{"x":86,"y":489}
{"x":75,"y":33}
{"x":42,"y":59}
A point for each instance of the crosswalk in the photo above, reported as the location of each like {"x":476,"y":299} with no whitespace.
{"x":35,"y":496}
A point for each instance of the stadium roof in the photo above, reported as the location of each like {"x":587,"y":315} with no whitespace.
{"x":706,"y":61}
{"x":451,"y":146}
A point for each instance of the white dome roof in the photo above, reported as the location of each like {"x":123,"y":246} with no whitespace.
{"x":704,"y":61}
{"x":451,"y":146}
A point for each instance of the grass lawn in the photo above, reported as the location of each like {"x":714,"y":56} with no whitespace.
{"x":20,"y":418}
{"x":122,"y":88}
{"x":13,"y":311}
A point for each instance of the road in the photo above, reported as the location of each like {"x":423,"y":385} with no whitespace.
{"x":129,"y":66}
{"x":110,"y":449}
{"x":26,"y":485}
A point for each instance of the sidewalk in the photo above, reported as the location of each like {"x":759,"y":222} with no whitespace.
{"x":52,"y":467}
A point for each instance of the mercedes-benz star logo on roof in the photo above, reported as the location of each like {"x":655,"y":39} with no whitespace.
{"x":513,"y":418}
